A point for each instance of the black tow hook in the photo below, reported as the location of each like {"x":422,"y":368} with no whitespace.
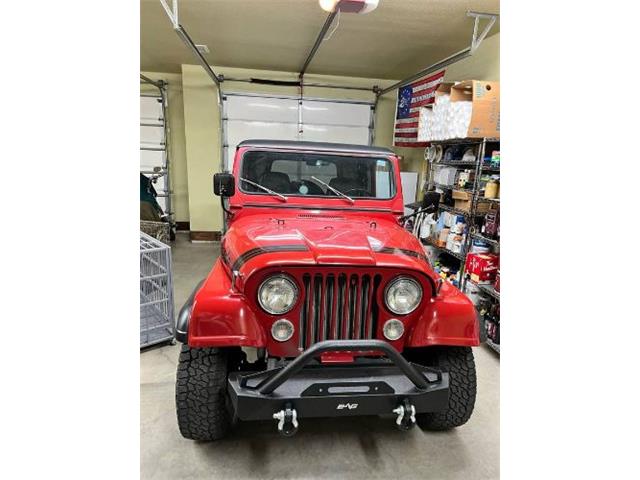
{"x":406,"y":416}
{"x":287,"y":421}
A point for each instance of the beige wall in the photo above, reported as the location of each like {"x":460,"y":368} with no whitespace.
{"x":177,"y":153}
{"x":484,"y":64}
{"x":202,"y":126}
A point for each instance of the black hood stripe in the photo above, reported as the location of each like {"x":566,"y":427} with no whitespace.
{"x":225,"y":255}
{"x":402,"y":251}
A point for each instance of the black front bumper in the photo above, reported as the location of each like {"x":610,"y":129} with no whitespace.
{"x":370,"y":387}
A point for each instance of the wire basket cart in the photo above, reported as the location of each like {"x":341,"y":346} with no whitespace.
{"x":156,"y":292}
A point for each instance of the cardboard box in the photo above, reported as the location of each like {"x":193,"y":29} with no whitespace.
{"x":482,"y":267}
{"x":462,"y":201}
{"x":443,"y":89}
{"x":461,"y":195}
{"x":485,"y":98}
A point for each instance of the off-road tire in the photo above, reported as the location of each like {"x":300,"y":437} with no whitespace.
{"x":458,"y":361}
{"x":201,"y":393}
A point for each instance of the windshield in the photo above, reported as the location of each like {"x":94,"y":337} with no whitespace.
{"x":317,"y":175}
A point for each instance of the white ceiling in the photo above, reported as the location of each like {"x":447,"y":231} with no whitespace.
{"x":393,"y":41}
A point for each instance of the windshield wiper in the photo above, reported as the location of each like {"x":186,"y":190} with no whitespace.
{"x":268,"y":190}
{"x":337,"y":192}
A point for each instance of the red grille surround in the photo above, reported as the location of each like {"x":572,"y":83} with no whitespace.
{"x":336,"y":303}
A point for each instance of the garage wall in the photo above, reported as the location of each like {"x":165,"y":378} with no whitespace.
{"x":482,"y":65}
{"x":177,"y":149}
{"x":202,"y":126}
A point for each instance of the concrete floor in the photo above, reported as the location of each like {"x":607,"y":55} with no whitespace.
{"x":354,"y":448}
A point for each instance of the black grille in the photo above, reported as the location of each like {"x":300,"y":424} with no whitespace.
{"x":338,"y":307}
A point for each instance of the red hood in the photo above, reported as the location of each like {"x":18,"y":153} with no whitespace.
{"x":257,"y":241}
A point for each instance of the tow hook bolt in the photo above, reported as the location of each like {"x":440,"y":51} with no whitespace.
{"x":287,"y":421}
{"x":406,"y":416}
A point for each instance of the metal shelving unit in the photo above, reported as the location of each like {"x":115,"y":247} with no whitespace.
{"x":473,"y":215}
{"x":490,"y":241}
{"x":474,"y":227}
{"x":489,"y":290}
{"x":454,"y":210}
{"x":443,"y":186}
{"x":479,"y":169}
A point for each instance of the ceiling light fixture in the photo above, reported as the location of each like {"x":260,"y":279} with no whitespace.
{"x":349,"y":6}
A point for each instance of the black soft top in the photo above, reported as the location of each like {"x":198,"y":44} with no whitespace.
{"x":316,"y":146}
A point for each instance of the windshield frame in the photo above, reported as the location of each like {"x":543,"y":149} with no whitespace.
{"x":392,"y":173}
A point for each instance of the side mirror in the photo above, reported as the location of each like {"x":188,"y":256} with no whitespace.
{"x":431,"y":201}
{"x":224,"y":185}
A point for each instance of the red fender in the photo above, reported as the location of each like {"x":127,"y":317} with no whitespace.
{"x":449,"y":319}
{"x":220,"y":317}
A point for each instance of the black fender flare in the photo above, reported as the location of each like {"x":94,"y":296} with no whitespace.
{"x":182,"y":322}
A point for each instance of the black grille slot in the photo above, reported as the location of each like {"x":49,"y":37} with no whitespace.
{"x":304,"y":313}
{"x":317,"y":308}
{"x":338,"y":307}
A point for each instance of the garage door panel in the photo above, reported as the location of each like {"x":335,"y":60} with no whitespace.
{"x":150,"y":159}
{"x":239,"y":130}
{"x":335,"y":113}
{"x":336,"y":134}
{"x":151,"y":135}
{"x":282,"y":110}
{"x":151,"y":147}
{"x":276,"y":118}
{"x":150,"y":110}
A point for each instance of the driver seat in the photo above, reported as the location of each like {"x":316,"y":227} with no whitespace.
{"x":276,"y":181}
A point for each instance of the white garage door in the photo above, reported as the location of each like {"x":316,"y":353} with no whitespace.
{"x":267,"y":117}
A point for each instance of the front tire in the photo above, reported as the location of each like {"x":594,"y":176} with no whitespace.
{"x":459,"y":362}
{"x":201,"y":393}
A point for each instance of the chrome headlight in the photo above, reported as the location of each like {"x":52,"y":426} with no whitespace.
{"x":403,"y":295}
{"x":277,"y":294}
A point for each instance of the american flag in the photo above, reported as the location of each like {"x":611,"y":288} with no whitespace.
{"x":410,"y":99}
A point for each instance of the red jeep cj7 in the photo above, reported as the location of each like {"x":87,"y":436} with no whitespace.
{"x":321,"y":304}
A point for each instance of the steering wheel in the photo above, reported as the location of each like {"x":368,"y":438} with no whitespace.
{"x":314,"y":189}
